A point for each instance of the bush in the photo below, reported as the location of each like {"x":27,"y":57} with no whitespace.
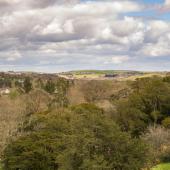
{"x":166,"y":122}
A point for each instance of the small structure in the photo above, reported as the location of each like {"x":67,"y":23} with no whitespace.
{"x":4,"y":91}
{"x":110,"y":75}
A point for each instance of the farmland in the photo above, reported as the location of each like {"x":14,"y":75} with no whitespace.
{"x":122,"y":75}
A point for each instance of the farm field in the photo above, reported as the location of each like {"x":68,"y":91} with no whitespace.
{"x":117,"y":74}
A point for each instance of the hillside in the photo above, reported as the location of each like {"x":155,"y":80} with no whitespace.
{"x":56,"y":119}
{"x":109,"y":74}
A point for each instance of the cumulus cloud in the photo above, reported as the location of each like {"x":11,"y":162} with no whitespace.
{"x":119,"y":59}
{"x":77,"y":33}
{"x":10,"y":55}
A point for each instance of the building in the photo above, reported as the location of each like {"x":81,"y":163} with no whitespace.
{"x":4,"y":91}
{"x":110,"y":75}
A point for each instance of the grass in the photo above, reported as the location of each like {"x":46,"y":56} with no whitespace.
{"x":162,"y":167}
{"x":145,"y":76}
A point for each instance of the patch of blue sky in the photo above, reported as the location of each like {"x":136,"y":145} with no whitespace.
{"x":153,"y":1}
{"x":148,"y":14}
{"x":145,"y":13}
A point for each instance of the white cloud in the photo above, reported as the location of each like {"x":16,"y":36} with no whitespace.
{"x":11,"y":55}
{"x":156,"y":29}
{"x":73,"y":32}
{"x":118,"y":59}
{"x":167,"y":2}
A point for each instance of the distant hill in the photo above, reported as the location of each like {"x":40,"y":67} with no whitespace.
{"x":78,"y":72}
{"x":109,"y":74}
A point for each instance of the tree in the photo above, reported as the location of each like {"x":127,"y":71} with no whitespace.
{"x":154,"y":95}
{"x":166,"y":122}
{"x":80,"y":138}
{"x":50,"y":86}
{"x":96,"y":90}
{"x":159,"y":140}
{"x":27,"y":85}
{"x":37,"y":101}
{"x":149,"y":103}
{"x":130,"y":118}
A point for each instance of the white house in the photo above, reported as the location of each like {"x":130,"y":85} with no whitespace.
{"x":4,"y":91}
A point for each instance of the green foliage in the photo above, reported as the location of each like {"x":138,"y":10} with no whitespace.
{"x":18,"y":84}
{"x":50,"y":86}
{"x":1,"y":167}
{"x":148,"y":104}
{"x":154,"y":94}
{"x":166,"y":122}
{"x":62,"y":86}
{"x":14,"y":94}
{"x":80,"y":138}
{"x":86,"y":109}
{"x":95,"y":90}
{"x":156,"y":115}
{"x":131,"y":119}
{"x":5,"y":82}
{"x":27,"y":85}
{"x":162,"y":167}
{"x":167,"y":79}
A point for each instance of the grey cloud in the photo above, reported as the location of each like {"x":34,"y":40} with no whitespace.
{"x":46,"y":3}
{"x":42,"y":33}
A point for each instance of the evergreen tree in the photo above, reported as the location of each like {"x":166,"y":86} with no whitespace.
{"x":50,"y":86}
{"x":83,"y":138}
{"x":27,"y":85}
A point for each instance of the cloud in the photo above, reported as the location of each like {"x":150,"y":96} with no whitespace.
{"x":10,"y":55}
{"x":156,"y":29}
{"x":72,"y":33}
{"x":119,"y":59}
{"x":167,"y":2}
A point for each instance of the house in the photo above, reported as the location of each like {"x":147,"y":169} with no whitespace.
{"x":110,"y":75}
{"x":4,"y":91}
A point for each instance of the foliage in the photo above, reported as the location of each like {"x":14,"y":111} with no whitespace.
{"x":37,"y":101}
{"x":166,"y":122}
{"x":95,"y":90}
{"x":80,"y":138}
{"x":5,"y":82}
{"x":18,"y":84}
{"x":154,"y":94}
{"x":62,"y":86}
{"x":162,"y":167}
{"x":149,"y":103}
{"x":50,"y":86}
{"x":27,"y":84}
{"x":131,"y":119}
{"x":159,"y":140}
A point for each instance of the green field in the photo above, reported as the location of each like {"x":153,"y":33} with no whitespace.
{"x":82,"y":72}
{"x":162,"y":167}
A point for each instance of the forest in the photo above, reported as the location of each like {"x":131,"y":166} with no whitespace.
{"x":52,"y":123}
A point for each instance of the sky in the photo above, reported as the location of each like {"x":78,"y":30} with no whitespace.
{"x":62,"y":35}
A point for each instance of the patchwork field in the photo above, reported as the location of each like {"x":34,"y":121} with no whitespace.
{"x":109,"y":74}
